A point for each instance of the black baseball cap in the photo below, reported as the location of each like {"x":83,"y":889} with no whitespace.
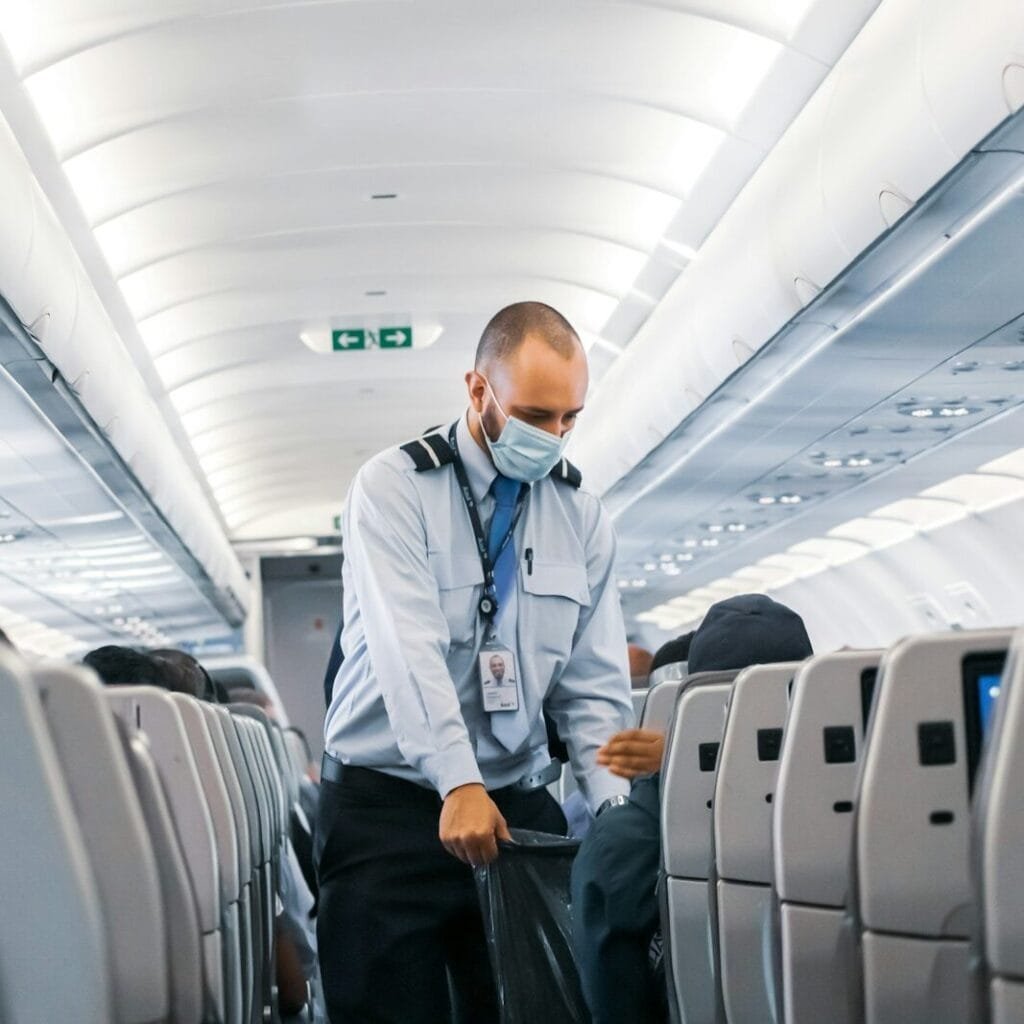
{"x":750,"y":629}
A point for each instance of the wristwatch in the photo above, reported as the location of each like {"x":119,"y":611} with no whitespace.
{"x":612,"y":801}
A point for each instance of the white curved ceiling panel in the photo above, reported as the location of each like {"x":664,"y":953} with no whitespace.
{"x":225,"y":155}
{"x":655,"y":56}
{"x":297,"y":202}
{"x":457,"y":252}
{"x":629,"y":140}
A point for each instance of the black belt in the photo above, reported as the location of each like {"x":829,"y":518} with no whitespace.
{"x":334,"y":771}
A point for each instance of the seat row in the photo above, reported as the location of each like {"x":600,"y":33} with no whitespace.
{"x":843,"y":838}
{"x":140,"y":852}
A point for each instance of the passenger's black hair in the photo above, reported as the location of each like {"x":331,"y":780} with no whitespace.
{"x":125,"y":666}
{"x":184,"y":673}
{"x":672,"y":652}
{"x":510,"y":326}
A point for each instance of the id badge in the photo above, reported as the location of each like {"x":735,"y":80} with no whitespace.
{"x":499,"y":678}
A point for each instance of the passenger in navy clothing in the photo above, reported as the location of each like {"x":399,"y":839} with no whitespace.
{"x":615,"y":876}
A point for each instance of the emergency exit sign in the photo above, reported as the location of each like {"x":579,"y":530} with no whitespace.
{"x":355,"y":339}
{"x":344,"y":341}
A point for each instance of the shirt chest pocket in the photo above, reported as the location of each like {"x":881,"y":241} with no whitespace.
{"x":459,"y":585}
{"x":554,"y":595}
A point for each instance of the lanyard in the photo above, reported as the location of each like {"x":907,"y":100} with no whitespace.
{"x":488,"y":606}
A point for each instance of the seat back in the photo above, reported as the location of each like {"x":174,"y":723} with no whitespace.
{"x":272,"y":767}
{"x":222,"y":817}
{"x":48,"y":896}
{"x":298,"y":751}
{"x":914,"y":899}
{"x":156,"y":714}
{"x":99,"y":780}
{"x":657,"y":709}
{"x":687,"y":787}
{"x":741,"y":828}
{"x":812,"y":831}
{"x":639,"y":699}
{"x":184,"y":937}
{"x":259,"y":846}
{"x":244,"y":848}
{"x":662,"y":688}
{"x":999,"y":839}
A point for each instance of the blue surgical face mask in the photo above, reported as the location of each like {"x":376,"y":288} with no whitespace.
{"x":523,"y":452}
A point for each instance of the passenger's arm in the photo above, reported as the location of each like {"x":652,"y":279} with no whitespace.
{"x":406,"y":630}
{"x":291,"y":982}
{"x":633,"y":752}
{"x":591,"y":701}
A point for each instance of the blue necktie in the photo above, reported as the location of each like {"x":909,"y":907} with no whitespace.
{"x":506,"y":494}
{"x":510,"y":728}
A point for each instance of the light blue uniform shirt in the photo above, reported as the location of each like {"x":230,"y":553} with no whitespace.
{"x":407,"y":698}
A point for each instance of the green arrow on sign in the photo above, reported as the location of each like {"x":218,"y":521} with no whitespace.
{"x":344,"y":341}
{"x":337,"y":524}
{"x":396,"y":337}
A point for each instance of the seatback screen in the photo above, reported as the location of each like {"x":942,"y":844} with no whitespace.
{"x":982,"y":676}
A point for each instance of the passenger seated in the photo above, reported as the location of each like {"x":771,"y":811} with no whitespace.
{"x":183,"y":672}
{"x":249,"y":695}
{"x":615,"y":876}
{"x":125,"y":666}
{"x":639,"y":666}
{"x":577,"y":811}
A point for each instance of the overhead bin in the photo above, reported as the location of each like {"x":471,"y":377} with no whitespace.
{"x":45,"y":284}
{"x":880,"y":123}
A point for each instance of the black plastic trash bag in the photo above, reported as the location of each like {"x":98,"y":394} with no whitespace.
{"x":525,"y":899}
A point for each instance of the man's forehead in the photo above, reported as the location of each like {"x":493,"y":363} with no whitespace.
{"x":542,"y":378}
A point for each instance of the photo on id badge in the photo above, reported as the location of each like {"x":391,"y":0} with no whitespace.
{"x":498,"y":679}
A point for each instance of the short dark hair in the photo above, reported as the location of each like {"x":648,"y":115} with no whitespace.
{"x":125,"y":666}
{"x":184,"y":673}
{"x":672,"y":652}
{"x":509,"y":327}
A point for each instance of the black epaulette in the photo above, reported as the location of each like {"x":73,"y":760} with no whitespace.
{"x":567,"y":473}
{"x":431,"y":451}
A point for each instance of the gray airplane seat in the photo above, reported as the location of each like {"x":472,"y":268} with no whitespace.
{"x":742,"y":841}
{"x":998,"y":832}
{"x":53,"y":953}
{"x":259,"y":850}
{"x":663,"y":687}
{"x":914,"y":904}
{"x":184,"y":938}
{"x":249,"y":733}
{"x":245,"y":851}
{"x":639,"y":699}
{"x":99,"y":780}
{"x":812,"y":832}
{"x":222,"y":815}
{"x":687,"y":788}
{"x":274,"y":765}
{"x":156,"y":714}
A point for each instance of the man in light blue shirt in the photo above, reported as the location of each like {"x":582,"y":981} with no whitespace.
{"x":471,"y":544}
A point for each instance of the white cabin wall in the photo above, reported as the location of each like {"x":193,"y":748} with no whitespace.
{"x":301,"y":610}
{"x":969,"y":573}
